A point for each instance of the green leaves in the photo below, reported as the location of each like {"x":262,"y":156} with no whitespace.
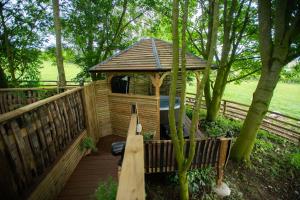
{"x":107,"y":190}
{"x":97,"y":29}
{"x":295,"y":160}
{"x":21,"y":26}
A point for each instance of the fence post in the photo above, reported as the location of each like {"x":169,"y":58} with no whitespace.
{"x":224,"y":107}
{"x":222,"y":160}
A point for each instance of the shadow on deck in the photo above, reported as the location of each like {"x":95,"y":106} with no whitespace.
{"x":91,"y":170}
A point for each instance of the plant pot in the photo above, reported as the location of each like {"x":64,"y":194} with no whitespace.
{"x":88,"y":152}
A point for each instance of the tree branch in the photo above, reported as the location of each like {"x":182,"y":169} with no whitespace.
{"x":265,"y":35}
{"x":244,"y":76}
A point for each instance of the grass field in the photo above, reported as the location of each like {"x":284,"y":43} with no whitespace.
{"x":286,"y":99}
{"x":49,"y":71}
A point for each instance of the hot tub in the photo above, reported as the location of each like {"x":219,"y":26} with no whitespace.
{"x":164,"y":109}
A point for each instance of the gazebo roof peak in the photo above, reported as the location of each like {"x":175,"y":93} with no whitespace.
{"x":149,"y":55}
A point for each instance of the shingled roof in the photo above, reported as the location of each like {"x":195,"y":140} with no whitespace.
{"x":146,"y":55}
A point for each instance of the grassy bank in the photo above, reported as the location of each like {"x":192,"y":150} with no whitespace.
{"x":49,"y":71}
{"x":286,"y":99}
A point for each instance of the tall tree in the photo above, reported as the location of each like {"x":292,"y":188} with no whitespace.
{"x":184,"y":161}
{"x":21,"y":26}
{"x":236,"y":40}
{"x":59,"y":56}
{"x":279,"y":43}
{"x":97,"y":28}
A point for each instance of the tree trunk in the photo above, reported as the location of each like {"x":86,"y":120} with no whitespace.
{"x":59,"y":56}
{"x":262,"y":96}
{"x":274,"y":55}
{"x":184,"y":185}
{"x":229,"y":43}
{"x":3,"y":79}
{"x":184,"y":162}
{"x":213,"y":107}
{"x":8,"y":48}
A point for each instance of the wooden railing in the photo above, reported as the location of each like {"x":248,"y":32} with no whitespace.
{"x":214,"y":152}
{"x":13,"y":98}
{"x":277,"y":123}
{"x":132,"y":181}
{"x":45,"y":83}
{"x":33,"y":137}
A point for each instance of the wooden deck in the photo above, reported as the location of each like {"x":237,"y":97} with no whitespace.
{"x":91,"y":170}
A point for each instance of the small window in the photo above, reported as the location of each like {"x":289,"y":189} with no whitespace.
{"x":120,"y":84}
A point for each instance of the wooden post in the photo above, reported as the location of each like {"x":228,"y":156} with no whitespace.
{"x":222,"y":160}
{"x":89,"y":104}
{"x":224,"y":108}
{"x":157,"y":81}
{"x":109,"y":77}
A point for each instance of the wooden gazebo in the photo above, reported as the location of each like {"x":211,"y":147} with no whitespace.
{"x":147,"y":63}
{"x":152,"y":57}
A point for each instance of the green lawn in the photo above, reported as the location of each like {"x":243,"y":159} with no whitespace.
{"x":49,"y":71}
{"x":286,"y":99}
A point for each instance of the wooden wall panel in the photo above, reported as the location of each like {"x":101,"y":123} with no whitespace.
{"x":120,"y":105}
{"x":102,"y":107}
{"x":55,"y":180}
{"x":92,"y":122}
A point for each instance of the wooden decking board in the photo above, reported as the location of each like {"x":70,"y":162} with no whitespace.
{"x":91,"y":170}
{"x":188,"y":123}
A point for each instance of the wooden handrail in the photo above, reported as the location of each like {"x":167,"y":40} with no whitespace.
{"x":132,"y":181}
{"x":32,"y":89}
{"x":132,"y":125}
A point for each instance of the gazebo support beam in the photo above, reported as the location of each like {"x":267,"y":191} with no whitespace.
{"x":157,"y":80}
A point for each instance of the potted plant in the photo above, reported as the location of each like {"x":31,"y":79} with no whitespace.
{"x":149,"y":135}
{"x":87,"y":145}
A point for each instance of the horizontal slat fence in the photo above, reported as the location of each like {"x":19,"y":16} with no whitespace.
{"x":34,"y":136}
{"x":159,"y":155}
{"x":13,"y":98}
{"x":277,"y":123}
{"x":24,"y":83}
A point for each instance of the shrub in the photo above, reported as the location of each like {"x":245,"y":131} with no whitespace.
{"x":200,"y":180}
{"x":148,"y":135}
{"x":88,"y":143}
{"x":107,"y":190}
{"x":221,"y":127}
{"x":189,"y":112}
{"x":295,"y":160}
